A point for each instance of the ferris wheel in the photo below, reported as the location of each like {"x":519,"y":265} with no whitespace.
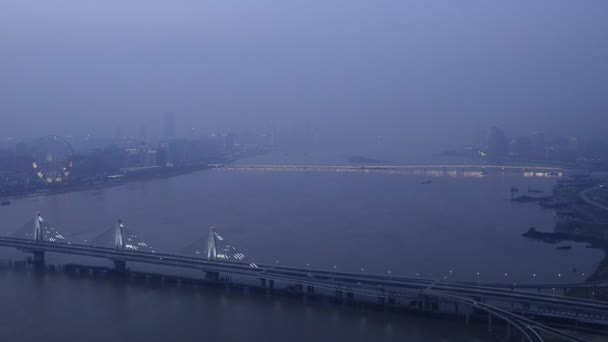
{"x":53,"y":159}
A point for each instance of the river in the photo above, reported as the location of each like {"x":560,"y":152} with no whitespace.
{"x":458,"y":226}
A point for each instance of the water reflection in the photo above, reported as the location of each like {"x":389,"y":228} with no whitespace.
{"x":98,"y":308}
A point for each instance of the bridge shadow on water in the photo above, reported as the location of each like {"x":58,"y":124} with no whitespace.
{"x":79,"y":302}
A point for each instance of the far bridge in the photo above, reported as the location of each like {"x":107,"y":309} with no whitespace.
{"x":471,"y":170}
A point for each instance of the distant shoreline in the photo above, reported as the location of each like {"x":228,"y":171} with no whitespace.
{"x":173,"y":172}
{"x":126,"y":179}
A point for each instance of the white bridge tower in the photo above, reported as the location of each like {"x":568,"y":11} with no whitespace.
{"x":212,"y":245}
{"x":38,"y":236}
{"x":119,"y":240}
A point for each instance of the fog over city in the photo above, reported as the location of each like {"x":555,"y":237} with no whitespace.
{"x":424,"y":72}
{"x":304,"y":170}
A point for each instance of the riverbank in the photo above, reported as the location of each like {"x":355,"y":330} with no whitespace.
{"x":111,"y":181}
{"x":579,"y":219}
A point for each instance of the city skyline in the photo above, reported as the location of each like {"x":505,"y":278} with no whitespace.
{"x":396,"y":68}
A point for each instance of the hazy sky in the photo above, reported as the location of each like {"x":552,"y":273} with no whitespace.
{"x":412,"y":68}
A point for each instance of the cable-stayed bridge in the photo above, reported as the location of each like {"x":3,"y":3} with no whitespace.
{"x":526,"y":310}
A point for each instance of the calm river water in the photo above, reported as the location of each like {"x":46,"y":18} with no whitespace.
{"x":457,"y":227}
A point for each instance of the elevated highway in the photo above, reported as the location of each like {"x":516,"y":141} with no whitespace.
{"x":524,"y":308}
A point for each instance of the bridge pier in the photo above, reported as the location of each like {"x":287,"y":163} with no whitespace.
{"x":426,"y":303}
{"x":489,"y":322}
{"x":213,"y":276}
{"x":120,"y":265}
{"x":38,"y":259}
{"x":263,"y":282}
{"x":310,"y":290}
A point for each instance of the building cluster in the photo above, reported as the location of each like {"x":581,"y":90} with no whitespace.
{"x":140,"y":158}
{"x":495,"y":145}
{"x":98,"y":159}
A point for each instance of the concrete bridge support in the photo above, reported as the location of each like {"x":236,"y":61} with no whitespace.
{"x":425,"y":303}
{"x":310,"y":290}
{"x":120,"y":265}
{"x":38,"y":259}
{"x":38,"y":256}
{"x":267,"y":284}
{"x":213,"y":276}
{"x":489,"y":322}
{"x":119,"y":244}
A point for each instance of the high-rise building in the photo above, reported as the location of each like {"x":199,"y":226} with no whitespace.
{"x":539,"y":145}
{"x":169,"y":126}
{"x":143,"y":133}
{"x":150,"y":158}
{"x":498,"y":145}
{"x":480,"y":141}
{"x":118,"y":134}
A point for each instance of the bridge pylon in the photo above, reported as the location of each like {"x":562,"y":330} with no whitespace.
{"x":119,"y":244}
{"x":212,"y":244}
{"x":38,"y":235}
{"x":119,"y":237}
{"x":38,"y":259}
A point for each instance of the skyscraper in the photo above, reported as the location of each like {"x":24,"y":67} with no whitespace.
{"x":497,"y":143}
{"x":169,"y":126}
{"x":143,"y":133}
